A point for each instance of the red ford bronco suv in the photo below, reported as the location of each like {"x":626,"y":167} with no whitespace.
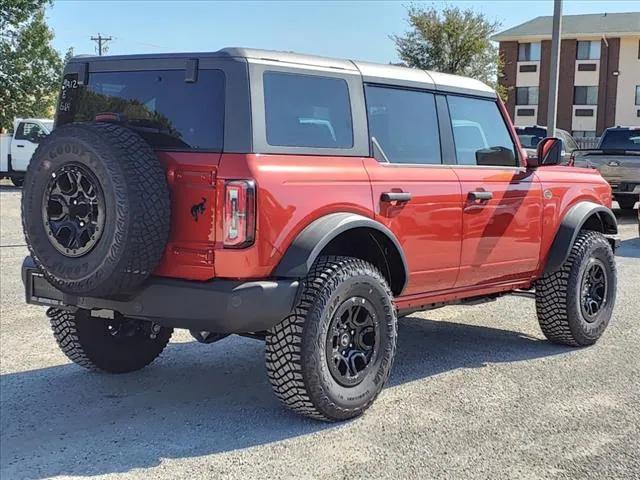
{"x":302,"y":200}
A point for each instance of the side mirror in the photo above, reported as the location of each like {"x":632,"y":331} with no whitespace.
{"x":548,"y":152}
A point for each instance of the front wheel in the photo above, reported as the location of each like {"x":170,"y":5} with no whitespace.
{"x":116,"y":345}
{"x":330,"y":358}
{"x":575,"y":304}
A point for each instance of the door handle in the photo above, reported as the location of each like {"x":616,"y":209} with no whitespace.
{"x":400,"y":197}
{"x":20,"y":146}
{"x":480,"y":196}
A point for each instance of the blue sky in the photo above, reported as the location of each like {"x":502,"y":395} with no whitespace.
{"x":349,"y":29}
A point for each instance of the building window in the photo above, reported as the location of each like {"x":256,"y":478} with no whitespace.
{"x":585,"y":95}
{"x":526,"y":112}
{"x":587,"y":67}
{"x":638,"y":95}
{"x":529,"y":52}
{"x":526,"y":95}
{"x":584,"y":112}
{"x":528,"y":68}
{"x":589,"y":50}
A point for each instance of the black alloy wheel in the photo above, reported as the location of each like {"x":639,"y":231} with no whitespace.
{"x":593,"y":289}
{"x":73,"y":210}
{"x":352,"y":341}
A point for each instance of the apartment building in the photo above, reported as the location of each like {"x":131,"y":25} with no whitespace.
{"x":599,"y":84}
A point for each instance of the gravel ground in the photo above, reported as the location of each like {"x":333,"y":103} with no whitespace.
{"x":476,"y":392}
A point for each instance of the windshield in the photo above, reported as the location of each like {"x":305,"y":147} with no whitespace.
{"x":621,"y":140}
{"x":167,"y":111}
{"x":530,"y":136}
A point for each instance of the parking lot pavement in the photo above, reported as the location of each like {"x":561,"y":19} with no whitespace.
{"x":476,"y":392}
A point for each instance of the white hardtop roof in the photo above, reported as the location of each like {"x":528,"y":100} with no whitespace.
{"x":373,"y":72}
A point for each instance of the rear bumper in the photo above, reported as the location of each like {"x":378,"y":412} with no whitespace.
{"x":220,"y":306}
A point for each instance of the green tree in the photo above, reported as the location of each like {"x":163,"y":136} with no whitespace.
{"x":450,"y":40}
{"x":29,"y":65}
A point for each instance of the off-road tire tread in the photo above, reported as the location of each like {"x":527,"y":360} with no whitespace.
{"x":64,"y":329}
{"x":552,"y":289}
{"x":284,"y":341}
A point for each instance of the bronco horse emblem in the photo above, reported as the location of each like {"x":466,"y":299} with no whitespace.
{"x":198,"y":209}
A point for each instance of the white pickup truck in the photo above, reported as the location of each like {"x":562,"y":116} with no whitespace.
{"x":16,"y":149}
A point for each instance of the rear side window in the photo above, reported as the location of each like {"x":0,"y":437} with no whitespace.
{"x":164,"y":109}
{"x":307,"y":111}
{"x":480,"y":133}
{"x":404,"y":123}
{"x":621,"y":140}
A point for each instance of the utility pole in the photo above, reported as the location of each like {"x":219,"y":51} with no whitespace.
{"x":554,"y":71}
{"x":101,"y":40}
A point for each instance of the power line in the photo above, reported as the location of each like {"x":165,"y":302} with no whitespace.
{"x":102,"y":43}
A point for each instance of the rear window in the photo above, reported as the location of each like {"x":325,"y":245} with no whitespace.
{"x":164,"y":109}
{"x":621,"y":140}
{"x":307,"y":111}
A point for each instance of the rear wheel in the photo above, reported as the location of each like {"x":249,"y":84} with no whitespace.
{"x":117,"y":345}
{"x":330,"y":358}
{"x":575,"y":304}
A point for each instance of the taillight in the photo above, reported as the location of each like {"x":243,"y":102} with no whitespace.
{"x":239,"y":213}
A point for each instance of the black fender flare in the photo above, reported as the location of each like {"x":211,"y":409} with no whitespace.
{"x":571,"y":224}
{"x":306,"y":247}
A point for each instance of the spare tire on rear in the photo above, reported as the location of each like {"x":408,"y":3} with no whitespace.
{"x":95,"y":209}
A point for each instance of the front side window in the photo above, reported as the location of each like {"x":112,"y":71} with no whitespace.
{"x":585,"y":95}
{"x":588,"y":50}
{"x":307,"y":111}
{"x":529,"y":52}
{"x":480,"y":133}
{"x":160,"y":105}
{"x":404,"y":124}
{"x":526,"y":95}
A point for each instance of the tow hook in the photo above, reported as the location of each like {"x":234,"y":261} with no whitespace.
{"x":155,"y":330}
